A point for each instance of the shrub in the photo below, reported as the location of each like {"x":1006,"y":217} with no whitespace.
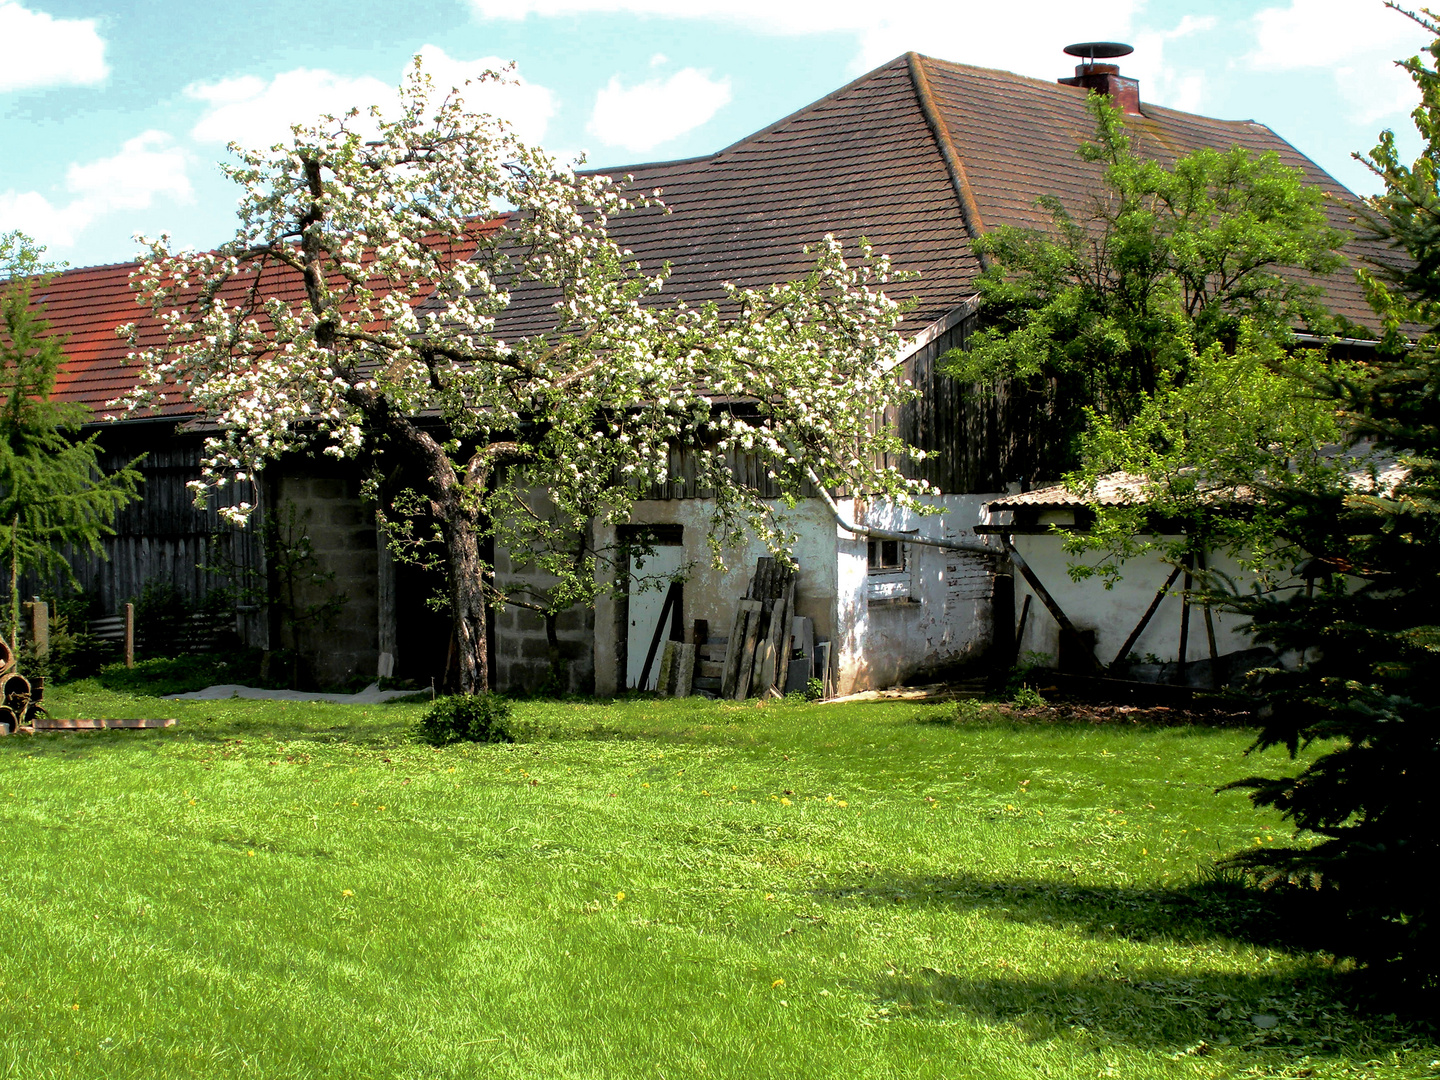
{"x":468,"y":718}
{"x":1027,"y":697}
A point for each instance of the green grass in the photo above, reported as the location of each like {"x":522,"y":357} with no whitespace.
{"x":649,"y":889}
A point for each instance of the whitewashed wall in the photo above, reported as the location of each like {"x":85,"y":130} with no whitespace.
{"x":712,"y":594}
{"x":1113,"y":613}
{"x":947,"y":617}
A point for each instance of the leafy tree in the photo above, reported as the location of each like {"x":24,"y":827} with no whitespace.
{"x":1368,"y":684}
{"x":356,"y":311}
{"x":52,"y":491}
{"x":1163,"y":275}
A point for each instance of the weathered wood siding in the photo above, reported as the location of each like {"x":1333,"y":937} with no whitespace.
{"x":163,"y":537}
{"x":976,"y":438}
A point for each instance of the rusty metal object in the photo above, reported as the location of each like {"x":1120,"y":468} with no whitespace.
{"x":20,"y":697}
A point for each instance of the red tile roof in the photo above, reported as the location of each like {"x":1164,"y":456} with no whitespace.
{"x":917,"y":156}
{"x":85,"y":306}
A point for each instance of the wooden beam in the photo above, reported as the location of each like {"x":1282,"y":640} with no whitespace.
{"x":1045,"y":598}
{"x":1145,"y":619}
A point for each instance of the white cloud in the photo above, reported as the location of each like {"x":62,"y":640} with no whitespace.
{"x":38,"y":50}
{"x":1361,"y":58}
{"x":256,"y":112}
{"x":527,"y":106}
{"x":148,"y":167}
{"x":1025,"y":38}
{"x":1160,"y":81}
{"x":641,"y":117}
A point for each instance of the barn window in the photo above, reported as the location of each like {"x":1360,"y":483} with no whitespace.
{"x":889,"y":577}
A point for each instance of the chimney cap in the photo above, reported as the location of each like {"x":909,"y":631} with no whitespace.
{"x":1099,"y":50}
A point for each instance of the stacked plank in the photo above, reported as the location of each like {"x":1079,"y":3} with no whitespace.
{"x":757,"y":652}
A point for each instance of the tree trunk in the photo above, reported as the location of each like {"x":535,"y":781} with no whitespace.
{"x":467,"y":606}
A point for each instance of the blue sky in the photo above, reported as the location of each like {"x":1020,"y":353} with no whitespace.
{"x":113,"y":116}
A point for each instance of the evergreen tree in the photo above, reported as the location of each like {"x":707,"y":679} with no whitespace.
{"x":1368,"y":636}
{"x":53,"y":493}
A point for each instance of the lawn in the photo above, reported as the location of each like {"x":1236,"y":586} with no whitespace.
{"x":650,"y":889}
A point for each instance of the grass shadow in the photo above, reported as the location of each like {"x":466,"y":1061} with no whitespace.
{"x":1313,"y":1006}
{"x":1314,"y":1013}
{"x":1218,"y":907}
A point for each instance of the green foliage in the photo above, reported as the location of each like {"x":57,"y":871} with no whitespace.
{"x":1027,"y":697}
{"x":52,"y":492}
{"x":483,"y":718}
{"x":1118,"y":301}
{"x":74,"y":652}
{"x":814,"y":689}
{"x":1252,"y":418}
{"x":1367,"y":679}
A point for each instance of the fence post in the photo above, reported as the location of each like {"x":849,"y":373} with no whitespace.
{"x":129,"y":635}
{"x":39,"y":612}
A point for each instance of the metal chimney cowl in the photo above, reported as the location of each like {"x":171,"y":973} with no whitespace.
{"x":1105,"y":78}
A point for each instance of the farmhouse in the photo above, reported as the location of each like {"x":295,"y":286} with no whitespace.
{"x":919,"y":156}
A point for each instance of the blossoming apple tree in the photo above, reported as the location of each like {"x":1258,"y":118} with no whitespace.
{"x":422,"y":290}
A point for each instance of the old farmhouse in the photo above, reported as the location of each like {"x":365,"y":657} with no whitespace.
{"x":920,"y":156}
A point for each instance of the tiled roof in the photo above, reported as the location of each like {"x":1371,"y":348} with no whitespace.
{"x":915,"y":156}
{"x":85,"y":306}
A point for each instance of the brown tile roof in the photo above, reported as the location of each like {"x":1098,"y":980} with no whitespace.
{"x":914,"y":156}
{"x":1017,"y":138}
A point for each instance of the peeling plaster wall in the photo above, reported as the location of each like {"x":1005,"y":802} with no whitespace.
{"x":947,"y":617}
{"x":712,"y":594}
{"x":1113,"y":613}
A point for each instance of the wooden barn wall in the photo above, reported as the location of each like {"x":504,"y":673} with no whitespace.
{"x":976,"y":438}
{"x":163,"y":537}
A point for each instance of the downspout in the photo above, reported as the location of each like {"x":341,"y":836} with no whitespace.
{"x":890,"y":534}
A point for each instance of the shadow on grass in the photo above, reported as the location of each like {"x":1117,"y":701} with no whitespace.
{"x":1316,"y":1012}
{"x":1217,"y":908}
{"x":222,"y":723}
{"x":1313,"y":1006}
{"x":973,"y":712}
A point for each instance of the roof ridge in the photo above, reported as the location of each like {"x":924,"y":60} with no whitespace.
{"x":954,"y":166}
{"x":787,"y":119}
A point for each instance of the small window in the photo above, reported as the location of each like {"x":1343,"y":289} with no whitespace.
{"x":889,"y":576}
{"x":886,"y":555}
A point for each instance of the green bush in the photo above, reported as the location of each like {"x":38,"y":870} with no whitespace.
{"x":468,"y":718}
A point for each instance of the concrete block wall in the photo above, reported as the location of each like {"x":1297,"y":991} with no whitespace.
{"x":522,"y":650}
{"x":341,"y":528}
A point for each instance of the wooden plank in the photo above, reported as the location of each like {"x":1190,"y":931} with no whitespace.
{"x":51,"y":723}
{"x":703,"y":683}
{"x":805,"y":637}
{"x":685,"y":670}
{"x":667,"y":668}
{"x":732,"y":650}
{"x":783,"y":648}
{"x":711,"y":669}
{"x":775,"y":639}
{"x":747,"y":650}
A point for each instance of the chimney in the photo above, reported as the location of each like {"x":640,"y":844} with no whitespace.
{"x":1105,"y":78}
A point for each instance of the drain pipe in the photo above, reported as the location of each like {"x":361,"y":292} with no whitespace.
{"x":969,"y":547}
